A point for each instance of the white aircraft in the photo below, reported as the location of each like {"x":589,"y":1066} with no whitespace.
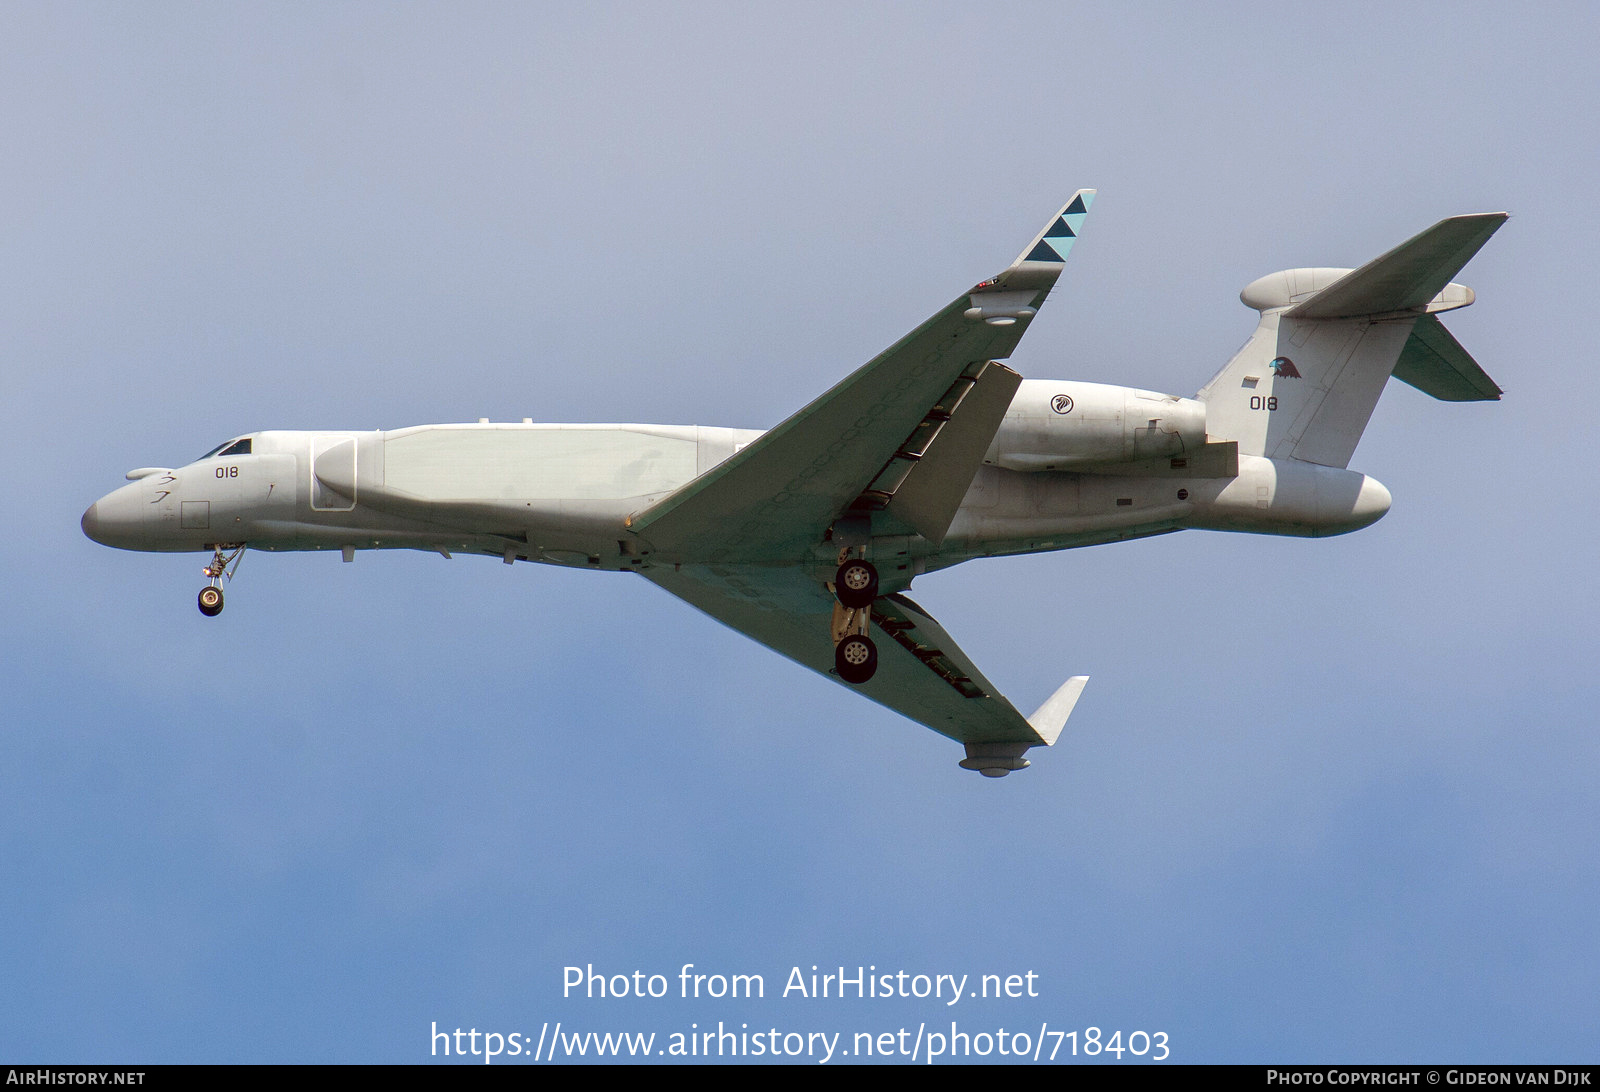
{"x":806,"y":537}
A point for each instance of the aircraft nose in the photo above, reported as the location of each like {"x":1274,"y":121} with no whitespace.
{"x":91,"y":523}
{"x":118,"y":519}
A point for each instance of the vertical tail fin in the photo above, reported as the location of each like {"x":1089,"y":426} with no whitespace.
{"x":1305,"y":384}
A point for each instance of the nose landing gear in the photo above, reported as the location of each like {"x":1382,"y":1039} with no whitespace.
{"x":224,"y":563}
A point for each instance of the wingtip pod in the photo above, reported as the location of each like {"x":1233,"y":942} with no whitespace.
{"x":999,"y":759}
{"x":995,"y":759}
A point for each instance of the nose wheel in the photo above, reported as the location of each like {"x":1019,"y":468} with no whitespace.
{"x":224,"y":563}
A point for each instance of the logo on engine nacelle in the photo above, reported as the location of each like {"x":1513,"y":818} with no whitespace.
{"x":1061,"y":403}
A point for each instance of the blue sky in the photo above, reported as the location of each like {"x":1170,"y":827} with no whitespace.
{"x":1322,"y":800}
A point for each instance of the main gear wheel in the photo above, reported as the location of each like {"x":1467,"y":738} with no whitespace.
{"x":856,"y":583}
{"x":855,"y":659}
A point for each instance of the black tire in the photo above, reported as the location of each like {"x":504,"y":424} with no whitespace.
{"x":210,"y":602}
{"x":856,"y":584}
{"x":855,"y":659}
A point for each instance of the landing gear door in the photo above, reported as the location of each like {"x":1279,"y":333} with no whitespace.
{"x":333,"y":473}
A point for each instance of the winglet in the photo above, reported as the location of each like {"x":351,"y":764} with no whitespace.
{"x":1015,"y":295}
{"x":1051,"y":717}
{"x":999,"y":759}
{"x":1052,"y":244}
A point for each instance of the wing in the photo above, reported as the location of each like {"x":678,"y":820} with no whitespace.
{"x":895,"y":445}
{"x":922,"y":673}
{"x":777,"y":497}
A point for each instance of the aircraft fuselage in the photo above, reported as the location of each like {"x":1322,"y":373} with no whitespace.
{"x":563,"y":494}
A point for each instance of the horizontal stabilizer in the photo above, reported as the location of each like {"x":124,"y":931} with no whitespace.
{"x":1435,"y":363}
{"x":1407,"y":277}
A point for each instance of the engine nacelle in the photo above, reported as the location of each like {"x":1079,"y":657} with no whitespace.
{"x":1065,"y":426}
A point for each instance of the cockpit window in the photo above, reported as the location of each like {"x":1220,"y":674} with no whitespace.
{"x":227,"y":447}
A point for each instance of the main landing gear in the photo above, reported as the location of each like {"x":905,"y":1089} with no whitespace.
{"x":855,"y":657}
{"x":224,"y":563}
{"x":856,"y":585}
